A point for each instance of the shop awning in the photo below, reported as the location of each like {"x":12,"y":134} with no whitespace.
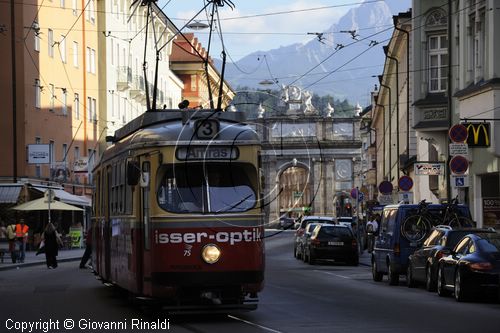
{"x":9,"y":193}
{"x":68,"y":197}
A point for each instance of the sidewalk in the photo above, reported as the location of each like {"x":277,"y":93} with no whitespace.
{"x":31,"y":259}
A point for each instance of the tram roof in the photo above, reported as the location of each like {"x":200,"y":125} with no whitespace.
{"x":177,"y":127}
{"x":150,"y":118}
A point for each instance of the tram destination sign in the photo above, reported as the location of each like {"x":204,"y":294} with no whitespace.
{"x":200,"y":153}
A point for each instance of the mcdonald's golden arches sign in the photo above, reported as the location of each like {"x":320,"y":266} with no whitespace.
{"x":478,"y":134}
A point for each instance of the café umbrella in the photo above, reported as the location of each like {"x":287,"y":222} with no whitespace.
{"x":46,"y":203}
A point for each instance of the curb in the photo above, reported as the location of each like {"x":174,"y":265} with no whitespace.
{"x":36,"y":263}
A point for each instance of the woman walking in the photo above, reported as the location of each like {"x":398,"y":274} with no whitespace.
{"x":52,"y":241}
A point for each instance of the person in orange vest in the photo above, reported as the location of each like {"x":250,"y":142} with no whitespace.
{"x":22,"y":238}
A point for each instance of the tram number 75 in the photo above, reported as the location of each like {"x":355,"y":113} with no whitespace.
{"x":207,"y":128}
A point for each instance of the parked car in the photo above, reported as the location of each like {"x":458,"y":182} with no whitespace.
{"x":298,"y":249}
{"x":471,"y":267}
{"x":396,"y":240}
{"x":286,"y":222}
{"x":312,"y":219}
{"x":423,"y":263}
{"x":332,"y":242}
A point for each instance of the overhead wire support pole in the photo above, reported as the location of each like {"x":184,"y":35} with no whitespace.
{"x":144,"y":67}
{"x":210,"y":96}
{"x":390,"y":128}
{"x":157,"y":60}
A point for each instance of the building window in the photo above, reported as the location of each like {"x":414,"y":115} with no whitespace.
{"x":89,"y":107}
{"x":50,"y":41}
{"x":52,"y":151}
{"x":62,"y":48}
{"x":92,"y":61}
{"x":75,"y":53}
{"x":63,"y":4}
{"x":90,"y":11}
{"x":76,"y":106}
{"x":94,"y":109}
{"x":36,"y":35}
{"x":193,"y":82}
{"x":38,"y":93}
{"x":77,"y":153}
{"x":112,"y":49}
{"x":88,"y":59}
{"x":75,"y":7}
{"x":52,"y":97}
{"x":438,"y":63}
{"x":64,"y":151}
{"x":64,"y":101}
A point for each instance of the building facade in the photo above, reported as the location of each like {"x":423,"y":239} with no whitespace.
{"x":126,"y":50}
{"x":52,"y":94}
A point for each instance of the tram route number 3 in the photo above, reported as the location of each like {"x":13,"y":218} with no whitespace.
{"x":207,"y":128}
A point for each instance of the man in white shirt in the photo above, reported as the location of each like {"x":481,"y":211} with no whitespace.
{"x":371,"y":230}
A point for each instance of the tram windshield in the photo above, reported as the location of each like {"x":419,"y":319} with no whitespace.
{"x":206,"y":187}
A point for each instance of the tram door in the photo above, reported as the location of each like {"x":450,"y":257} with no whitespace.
{"x":144,"y":260}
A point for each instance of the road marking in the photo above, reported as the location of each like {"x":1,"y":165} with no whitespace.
{"x":253,"y":324}
{"x":338,"y":275}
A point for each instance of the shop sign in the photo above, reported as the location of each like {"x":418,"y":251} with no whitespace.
{"x":429,"y":168}
{"x":478,"y":134}
{"x":491,"y":212}
{"x":39,"y":154}
{"x":81,"y":165}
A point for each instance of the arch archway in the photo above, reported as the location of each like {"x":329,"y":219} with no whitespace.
{"x":294,"y":182}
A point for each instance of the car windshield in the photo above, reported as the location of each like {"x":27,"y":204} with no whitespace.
{"x":489,"y":244}
{"x":332,"y":231}
{"x":206,"y":187}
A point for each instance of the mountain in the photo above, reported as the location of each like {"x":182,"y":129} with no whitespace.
{"x":340,"y":62}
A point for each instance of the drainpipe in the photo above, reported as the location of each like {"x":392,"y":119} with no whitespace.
{"x":407,"y":88}
{"x":383,"y":137}
{"x":450,"y":77}
{"x":390,"y":127}
{"x":397,"y":109}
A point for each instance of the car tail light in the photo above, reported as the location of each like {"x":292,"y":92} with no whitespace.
{"x":354,"y":244}
{"x":481,"y":266}
{"x":300,"y":232}
{"x":397,"y":250}
{"x":315,"y":242}
{"x":440,"y":254}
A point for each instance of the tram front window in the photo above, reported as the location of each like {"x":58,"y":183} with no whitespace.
{"x":207,"y":187}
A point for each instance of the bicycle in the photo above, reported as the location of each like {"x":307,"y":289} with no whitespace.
{"x":453,"y":217}
{"x":416,"y":227}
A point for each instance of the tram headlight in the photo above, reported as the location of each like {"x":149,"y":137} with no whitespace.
{"x":210,"y":253}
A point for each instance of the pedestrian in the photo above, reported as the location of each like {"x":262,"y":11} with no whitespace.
{"x":88,"y":249}
{"x":371,"y":231}
{"x":11,"y":238}
{"x":22,"y":238}
{"x":52,"y":242}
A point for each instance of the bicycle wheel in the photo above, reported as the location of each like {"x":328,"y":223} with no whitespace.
{"x":460,"y":222}
{"x":415,"y":228}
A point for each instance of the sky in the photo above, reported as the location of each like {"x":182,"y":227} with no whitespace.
{"x":264,"y":29}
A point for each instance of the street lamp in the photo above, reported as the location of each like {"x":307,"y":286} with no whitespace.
{"x":197,"y":25}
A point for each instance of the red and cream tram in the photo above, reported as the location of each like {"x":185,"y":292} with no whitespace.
{"x":177,"y":213}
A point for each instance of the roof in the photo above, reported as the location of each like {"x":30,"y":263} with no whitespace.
{"x":9,"y":193}
{"x":67,"y":197}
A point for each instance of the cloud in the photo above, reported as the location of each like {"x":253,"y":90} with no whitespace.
{"x":243,"y":35}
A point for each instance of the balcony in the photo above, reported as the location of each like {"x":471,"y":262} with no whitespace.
{"x":137,"y":91}
{"x":123,"y":78}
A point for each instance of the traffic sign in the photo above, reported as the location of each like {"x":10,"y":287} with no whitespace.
{"x":405,"y":183}
{"x":361,"y":196}
{"x":354,"y":192}
{"x":385,"y":187}
{"x":460,"y":181}
{"x":458,"y":133}
{"x":459,"y":165}
{"x":459,"y":149}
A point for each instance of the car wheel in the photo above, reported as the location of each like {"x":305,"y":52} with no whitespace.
{"x":312,"y":259}
{"x":461,"y":294}
{"x":393,"y":276}
{"x":430,"y":281}
{"x":377,"y":276}
{"x":409,"y":277}
{"x":441,"y":290}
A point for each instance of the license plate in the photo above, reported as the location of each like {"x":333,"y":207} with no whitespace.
{"x":336,"y":243}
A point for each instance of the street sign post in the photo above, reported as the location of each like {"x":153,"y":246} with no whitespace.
{"x":459,"y":149}
{"x":385,"y":187}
